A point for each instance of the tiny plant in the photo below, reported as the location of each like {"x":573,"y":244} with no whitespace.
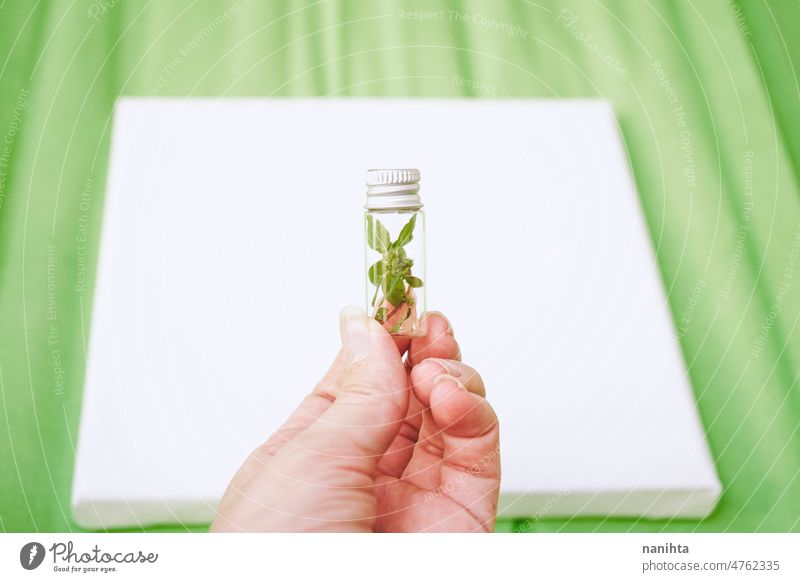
{"x":391,"y":275}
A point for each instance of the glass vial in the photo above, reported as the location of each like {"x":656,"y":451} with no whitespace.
{"x":395,"y":251}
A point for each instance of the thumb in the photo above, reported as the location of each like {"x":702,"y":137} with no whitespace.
{"x":372,"y":401}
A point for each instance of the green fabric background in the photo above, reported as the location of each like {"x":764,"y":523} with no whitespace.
{"x":727,"y":246}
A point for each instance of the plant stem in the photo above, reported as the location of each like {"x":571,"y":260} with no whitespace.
{"x":393,"y":311}
{"x":374,"y":297}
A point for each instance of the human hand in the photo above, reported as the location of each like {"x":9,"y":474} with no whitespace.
{"x":378,"y":445}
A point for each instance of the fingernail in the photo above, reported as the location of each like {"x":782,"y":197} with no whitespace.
{"x":449,"y":325}
{"x":451,"y":368}
{"x":448,"y":377}
{"x":356,"y":337}
{"x":449,"y":330}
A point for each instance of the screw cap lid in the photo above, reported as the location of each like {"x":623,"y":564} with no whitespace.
{"x":393,"y":189}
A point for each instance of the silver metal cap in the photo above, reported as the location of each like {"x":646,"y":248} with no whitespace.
{"x":389,"y":189}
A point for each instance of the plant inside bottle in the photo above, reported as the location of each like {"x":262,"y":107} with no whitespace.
{"x":391,"y":275}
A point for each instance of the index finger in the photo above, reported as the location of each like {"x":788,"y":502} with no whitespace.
{"x":438,"y":341}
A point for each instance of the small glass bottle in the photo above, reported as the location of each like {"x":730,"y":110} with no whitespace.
{"x":395,"y":251}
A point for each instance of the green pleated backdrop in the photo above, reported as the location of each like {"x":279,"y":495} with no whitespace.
{"x":706,"y":94}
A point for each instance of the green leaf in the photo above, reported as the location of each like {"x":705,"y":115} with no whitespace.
{"x":378,"y":237}
{"x":394,"y":289}
{"x":414,"y":281}
{"x":375,"y":273}
{"x":406,"y":234}
{"x":380,"y":315}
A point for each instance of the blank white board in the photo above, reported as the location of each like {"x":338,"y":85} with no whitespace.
{"x":233,"y":236}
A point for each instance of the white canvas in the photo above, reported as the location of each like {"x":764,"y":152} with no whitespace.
{"x":233,"y":235}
